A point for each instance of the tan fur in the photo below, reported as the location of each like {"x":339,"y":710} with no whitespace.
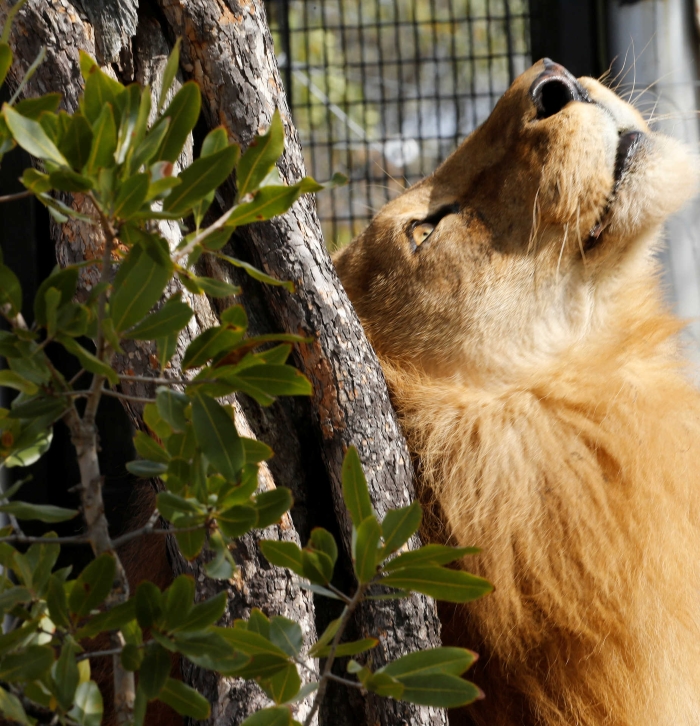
{"x":542,"y":393}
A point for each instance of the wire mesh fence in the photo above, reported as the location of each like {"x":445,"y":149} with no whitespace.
{"x":382,"y":90}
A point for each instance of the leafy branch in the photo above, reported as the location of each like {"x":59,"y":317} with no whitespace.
{"x":108,"y":152}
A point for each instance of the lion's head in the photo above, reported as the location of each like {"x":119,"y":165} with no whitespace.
{"x":511,"y":250}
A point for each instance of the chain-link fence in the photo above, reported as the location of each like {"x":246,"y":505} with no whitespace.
{"x":382,"y":90}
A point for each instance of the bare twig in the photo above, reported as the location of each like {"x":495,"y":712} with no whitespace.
{"x":160,"y":381}
{"x":15,"y":197}
{"x":98,"y":654}
{"x":126,"y":396}
{"x":345,"y":681}
{"x":25,"y":539}
{"x":326,"y":675}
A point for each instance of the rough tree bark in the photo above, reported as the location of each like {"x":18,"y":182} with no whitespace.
{"x":227,"y":49}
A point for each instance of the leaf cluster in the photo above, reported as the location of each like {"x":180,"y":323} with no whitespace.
{"x":121,"y":172}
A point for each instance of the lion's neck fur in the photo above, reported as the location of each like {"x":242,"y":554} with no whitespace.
{"x":582,"y":474}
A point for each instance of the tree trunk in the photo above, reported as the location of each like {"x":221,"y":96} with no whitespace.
{"x":227,"y":49}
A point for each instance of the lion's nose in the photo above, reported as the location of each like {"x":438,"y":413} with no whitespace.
{"x":554,"y":88}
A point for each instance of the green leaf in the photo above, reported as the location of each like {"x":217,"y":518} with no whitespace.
{"x":100,"y":91}
{"x":154,"y":670}
{"x":10,"y":705}
{"x":286,"y":635}
{"x":450,"y":661}
{"x":183,"y":112}
{"x":137,"y":287}
{"x":52,"y":298}
{"x":37,"y":406}
{"x":30,"y":447}
{"x":169,"y":73}
{"x":132,"y":111}
{"x":441,"y":690}
{"x":260,"y":157}
{"x":203,"y":614}
{"x":261,"y":666}
{"x":10,"y":289}
{"x":114,"y":619}
{"x":131,"y":657}
{"x":27,"y":665}
{"x":65,"y":674}
{"x":171,"y":406}
{"x":104,"y":141}
{"x":208,"y":650}
{"x":345,"y":649}
{"x":42,"y":512}
{"x":146,"y":469}
{"x":34,"y":107}
{"x":208,"y":344}
{"x":439,"y":583}
{"x":325,"y":638}
{"x":276,"y":380}
{"x":87,"y":710}
{"x":217,"y":437}
{"x":65,"y":180}
{"x":217,"y":288}
{"x":147,"y":149}
{"x":10,"y":379}
{"x":191,"y":543}
{"x":131,"y":196}
{"x":76,"y":142}
{"x":214,"y":141}
{"x":283,"y":685}
{"x":147,"y":448}
{"x":178,"y":599}
{"x":64,"y":280}
{"x":14,"y":596}
{"x":236,"y":521}
{"x":200,"y":178}
{"x":355,"y":492}
{"x":430,"y":554}
{"x":269,"y":202}
{"x":255,"y":451}
{"x":250,"y":643}
{"x":57,"y":603}
{"x":383,"y":685}
{"x":235,"y":316}
{"x":317,"y":566}
{"x":166,"y":348}
{"x":365,"y":549}
{"x":35,"y":181}
{"x":222,"y":566}
{"x":169,"y":504}
{"x":216,"y":239}
{"x":169,"y":320}
{"x":88,"y":360}
{"x":148,"y":604}
{"x":282,"y":554}
{"x":279,"y":716}
{"x":272,"y":505}
{"x":258,"y":622}
{"x":31,"y":137}
{"x":185,"y":700}
{"x":322,"y":540}
{"x":5,"y":61}
{"x":399,"y":525}
{"x":92,"y":586}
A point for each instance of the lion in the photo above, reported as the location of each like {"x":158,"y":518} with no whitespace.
{"x":513,"y":298}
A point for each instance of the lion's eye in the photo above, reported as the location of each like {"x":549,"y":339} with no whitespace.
{"x":421,"y":232}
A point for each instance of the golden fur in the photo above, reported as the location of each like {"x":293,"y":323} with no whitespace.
{"x":536,"y":371}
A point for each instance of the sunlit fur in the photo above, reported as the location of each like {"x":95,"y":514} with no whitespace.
{"x":543,"y":395}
